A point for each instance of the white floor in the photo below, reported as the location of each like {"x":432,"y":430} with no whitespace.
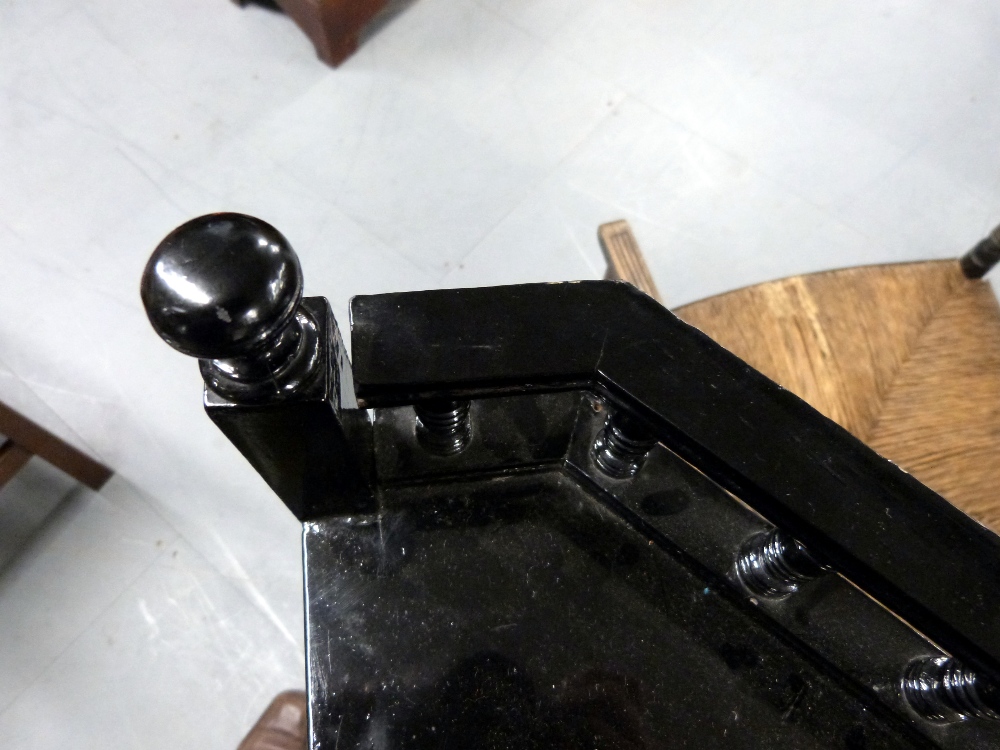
{"x":469,"y":142}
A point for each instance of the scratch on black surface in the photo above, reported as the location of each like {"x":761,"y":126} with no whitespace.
{"x":604,"y":341}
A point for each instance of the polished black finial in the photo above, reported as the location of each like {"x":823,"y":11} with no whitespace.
{"x":221,"y":285}
{"x":979,"y":260}
{"x":227,"y":288}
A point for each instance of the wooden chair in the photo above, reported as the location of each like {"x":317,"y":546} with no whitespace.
{"x":905,"y":356}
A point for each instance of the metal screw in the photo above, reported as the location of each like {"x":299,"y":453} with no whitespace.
{"x":941,"y":689}
{"x":622,"y":446}
{"x":774,"y":564}
{"x":979,"y":260}
{"x":443,"y":427}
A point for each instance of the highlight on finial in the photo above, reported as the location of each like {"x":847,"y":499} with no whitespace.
{"x":227,"y":288}
{"x":221,"y":285}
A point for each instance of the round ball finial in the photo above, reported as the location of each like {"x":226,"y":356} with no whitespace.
{"x":227,"y":288}
{"x":222,"y":286}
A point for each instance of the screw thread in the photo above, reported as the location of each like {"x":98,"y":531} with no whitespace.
{"x":622,"y":446}
{"x":942,"y":689}
{"x":444,"y":427}
{"x":774,"y":564}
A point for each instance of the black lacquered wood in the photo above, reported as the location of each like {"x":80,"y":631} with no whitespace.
{"x":892,"y":536}
{"x":520,"y":613}
{"x":222,"y":285}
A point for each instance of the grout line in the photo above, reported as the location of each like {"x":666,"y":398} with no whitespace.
{"x":537,"y":183}
{"x":83,"y":631}
{"x":80,"y":443}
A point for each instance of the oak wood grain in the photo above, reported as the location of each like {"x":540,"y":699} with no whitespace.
{"x":905,"y":356}
{"x":624,"y":257}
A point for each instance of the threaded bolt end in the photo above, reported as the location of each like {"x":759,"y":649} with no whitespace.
{"x":941,"y":689}
{"x":774,"y":564}
{"x":622,"y":446}
{"x":444,"y":428}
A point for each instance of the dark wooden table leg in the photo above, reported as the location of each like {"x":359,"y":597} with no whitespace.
{"x":25,"y":438}
{"x":12,"y":458}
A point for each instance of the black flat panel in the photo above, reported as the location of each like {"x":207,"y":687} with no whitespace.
{"x":522,"y":613}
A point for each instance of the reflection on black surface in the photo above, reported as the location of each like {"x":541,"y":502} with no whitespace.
{"x":666,"y":502}
{"x":513,"y":615}
{"x":490,"y":702}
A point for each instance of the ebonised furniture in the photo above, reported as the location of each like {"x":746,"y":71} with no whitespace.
{"x":556,"y":515}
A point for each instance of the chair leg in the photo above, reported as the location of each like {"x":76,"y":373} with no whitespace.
{"x":282,"y":726}
{"x":625,"y":259}
{"x":29,"y":437}
{"x":332,"y":25}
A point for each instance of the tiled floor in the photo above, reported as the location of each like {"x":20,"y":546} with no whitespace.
{"x":469,"y":142}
